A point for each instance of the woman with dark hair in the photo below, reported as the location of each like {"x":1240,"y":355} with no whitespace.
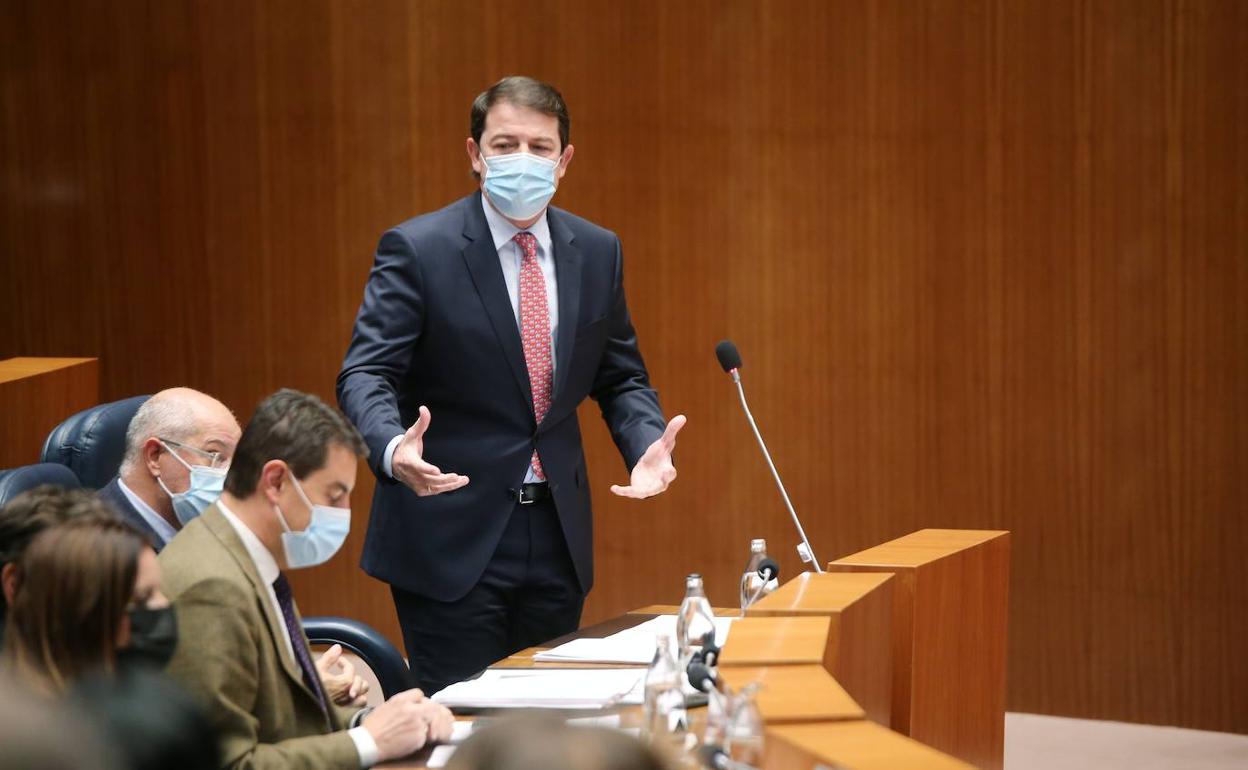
{"x":89,"y":628}
{"x":89,"y":595}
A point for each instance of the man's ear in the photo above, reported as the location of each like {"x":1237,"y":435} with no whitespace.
{"x":272,"y":477}
{"x":564,"y":160}
{"x":11,"y":579}
{"x":150,"y":453}
{"x":474,"y":157}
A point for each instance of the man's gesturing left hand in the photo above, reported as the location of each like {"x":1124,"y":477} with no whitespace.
{"x":654,"y":471}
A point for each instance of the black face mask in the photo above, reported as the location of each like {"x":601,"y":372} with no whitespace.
{"x":153,"y":637}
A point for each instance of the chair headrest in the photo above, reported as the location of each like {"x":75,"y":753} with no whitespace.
{"x":92,"y":443}
{"x":15,"y":481}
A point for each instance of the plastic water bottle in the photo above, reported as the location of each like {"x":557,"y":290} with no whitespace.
{"x":745,"y":728}
{"x":665,"y":717}
{"x":753,"y":587}
{"x":695,"y":619}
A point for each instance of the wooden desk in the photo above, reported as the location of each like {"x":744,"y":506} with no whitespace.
{"x":859,"y":745}
{"x":777,"y":641}
{"x":36,"y":394}
{"x":949,"y":637}
{"x":859,"y":608}
{"x":524,"y":658}
{"x":794,"y":693}
{"x":810,"y":719}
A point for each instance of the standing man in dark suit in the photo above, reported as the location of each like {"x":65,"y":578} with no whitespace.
{"x":483,"y":326}
{"x":178,"y":449}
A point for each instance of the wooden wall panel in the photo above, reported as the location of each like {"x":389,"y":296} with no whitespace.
{"x":985,"y":260}
{"x":36,"y":394}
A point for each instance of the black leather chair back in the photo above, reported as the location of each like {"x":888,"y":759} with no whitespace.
{"x":92,"y":443}
{"x":365,"y":641}
{"x":15,"y":481}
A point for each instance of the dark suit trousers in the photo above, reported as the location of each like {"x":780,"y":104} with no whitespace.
{"x":528,"y":594}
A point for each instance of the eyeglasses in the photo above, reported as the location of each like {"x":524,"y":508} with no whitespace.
{"x":215,"y":459}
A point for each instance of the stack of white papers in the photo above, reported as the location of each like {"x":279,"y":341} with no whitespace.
{"x":632,"y":645}
{"x":545,"y":688}
{"x":666,"y":624}
{"x":635,"y":649}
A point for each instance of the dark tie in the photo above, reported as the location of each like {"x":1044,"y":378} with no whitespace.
{"x":311,"y":678}
{"x":535,"y":333}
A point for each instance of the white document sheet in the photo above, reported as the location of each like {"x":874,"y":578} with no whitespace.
{"x":544,"y":688}
{"x":441,"y":755}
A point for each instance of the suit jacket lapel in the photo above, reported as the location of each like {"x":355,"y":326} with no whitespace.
{"x":568,"y":275}
{"x":224,"y":532}
{"x":487,"y":275}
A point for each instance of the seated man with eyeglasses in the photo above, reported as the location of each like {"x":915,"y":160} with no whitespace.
{"x":178,"y":448}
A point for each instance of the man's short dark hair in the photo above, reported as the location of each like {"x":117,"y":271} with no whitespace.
{"x":522,"y":92}
{"x":297,"y":428}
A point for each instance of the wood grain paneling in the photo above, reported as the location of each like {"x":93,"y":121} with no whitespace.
{"x":860,"y":646}
{"x":789,"y":694}
{"x":985,"y":260}
{"x":36,"y":394}
{"x":950,"y":603}
{"x":777,"y":641}
{"x":859,"y":745}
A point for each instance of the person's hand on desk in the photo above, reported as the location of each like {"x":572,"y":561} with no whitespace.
{"x":404,"y":724}
{"x":408,"y":464}
{"x":654,"y":471}
{"x":339,"y":679}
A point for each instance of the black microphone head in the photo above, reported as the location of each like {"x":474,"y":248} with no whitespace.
{"x":712,"y":755}
{"x":700,"y":677}
{"x":728,"y":355}
{"x":712,"y":656}
{"x":768,"y":569}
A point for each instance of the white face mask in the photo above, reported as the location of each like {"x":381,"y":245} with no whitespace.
{"x":519,"y":184}
{"x":205,"y":487}
{"x":327,"y":531}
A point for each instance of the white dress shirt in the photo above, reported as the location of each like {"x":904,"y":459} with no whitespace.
{"x":163,"y":529}
{"x":509,"y":257}
{"x":267,"y":568}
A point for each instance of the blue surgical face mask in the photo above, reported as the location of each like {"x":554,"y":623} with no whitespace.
{"x":205,"y":488}
{"x":519,"y":185}
{"x":326,"y":532}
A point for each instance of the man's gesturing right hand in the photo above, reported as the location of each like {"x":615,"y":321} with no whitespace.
{"x":405,"y":723}
{"x":408,"y":464}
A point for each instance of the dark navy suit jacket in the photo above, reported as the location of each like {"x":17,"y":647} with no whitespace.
{"x":436,"y":328}
{"x":113,"y":495}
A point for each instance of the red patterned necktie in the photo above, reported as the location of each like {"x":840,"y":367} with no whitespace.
{"x":535,"y":332}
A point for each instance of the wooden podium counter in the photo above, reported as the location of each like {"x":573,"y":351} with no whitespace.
{"x":950,"y":602}
{"x":36,"y":394}
{"x":777,"y":641}
{"x":859,"y":745}
{"x":951,"y":592}
{"x":859,"y":611}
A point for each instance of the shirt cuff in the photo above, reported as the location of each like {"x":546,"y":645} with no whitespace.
{"x":387,"y":459}
{"x":364,"y":745}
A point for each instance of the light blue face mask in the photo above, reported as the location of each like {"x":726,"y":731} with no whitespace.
{"x":326,"y":532}
{"x":205,"y":488}
{"x":519,"y":185}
